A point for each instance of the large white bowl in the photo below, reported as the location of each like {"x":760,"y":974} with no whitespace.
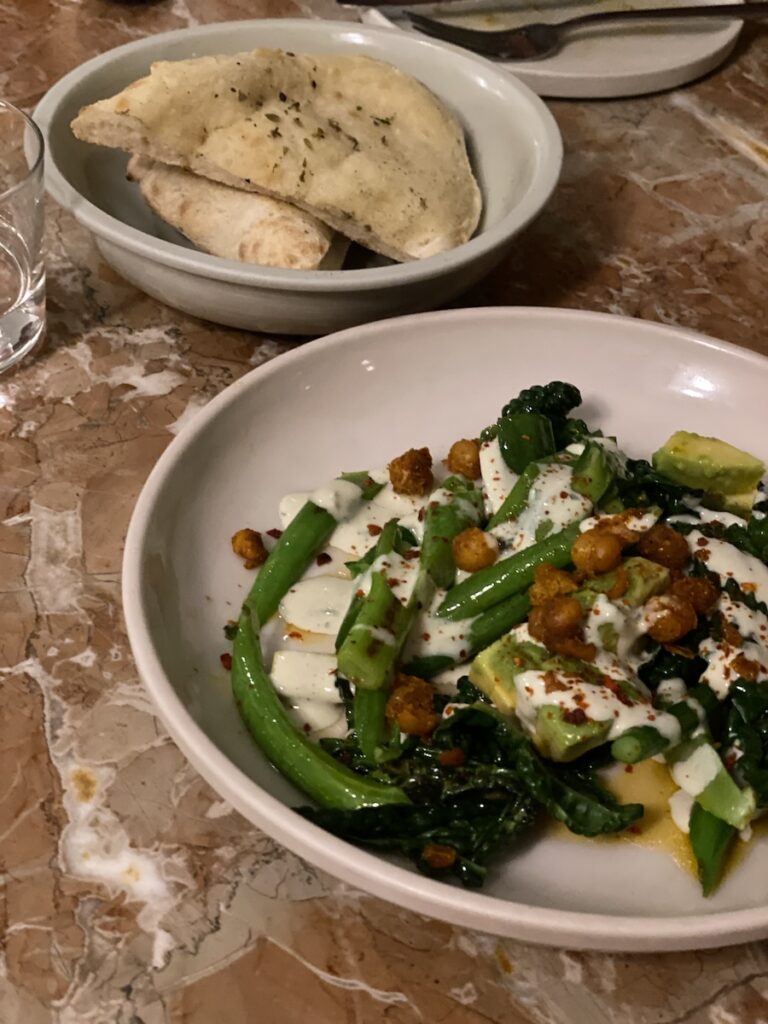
{"x":514,"y":143}
{"x":353,"y":401}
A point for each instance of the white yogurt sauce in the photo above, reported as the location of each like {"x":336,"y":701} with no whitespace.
{"x":290,"y":506}
{"x":600,"y":703}
{"x":709,"y":515}
{"x":727,"y":561}
{"x":318,"y":604}
{"x":680,"y":807}
{"x":720,"y":655}
{"x":300,"y":676}
{"x":306,"y":682}
{"x":639,"y":522}
{"x":628,"y":627}
{"x":498,"y":478}
{"x":431,"y":635}
{"x":550,"y":500}
{"x":611,"y":448}
{"x":340,"y":497}
{"x":696,"y":772}
{"x":671,"y":690}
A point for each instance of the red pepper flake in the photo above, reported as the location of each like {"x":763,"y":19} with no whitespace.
{"x":563,"y":495}
{"x":412,"y":553}
{"x":226,"y":661}
{"x":359,"y":593}
{"x":702,"y":542}
{"x":702,"y":555}
{"x":275,"y":533}
{"x":426,"y":636}
{"x":307,"y":727}
{"x":421,"y":515}
{"x":294,"y":634}
{"x":323,"y":558}
{"x":374,"y":529}
{"x":576,"y":716}
{"x":629,"y":768}
{"x":635,"y":830}
{"x":393,"y":583}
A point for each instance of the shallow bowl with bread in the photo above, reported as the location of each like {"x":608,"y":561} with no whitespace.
{"x":513,"y":144}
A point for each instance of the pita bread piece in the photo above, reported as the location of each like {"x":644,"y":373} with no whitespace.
{"x":352,"y":140}
{"x":237,"y":225}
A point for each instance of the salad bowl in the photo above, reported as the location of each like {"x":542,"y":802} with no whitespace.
{"x":423,"y":380}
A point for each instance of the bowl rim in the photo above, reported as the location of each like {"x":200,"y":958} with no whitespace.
{"x":542,"y":925}
{"x":547,"y":142}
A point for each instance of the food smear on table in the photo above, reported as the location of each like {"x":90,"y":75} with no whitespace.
{"x":297,"y":147}
{"x":535,"y":627}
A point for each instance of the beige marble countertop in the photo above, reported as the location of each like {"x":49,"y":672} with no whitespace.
{"x":188,"y":914}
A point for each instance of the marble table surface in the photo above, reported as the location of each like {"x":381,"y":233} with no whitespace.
{"x":182,"y":912}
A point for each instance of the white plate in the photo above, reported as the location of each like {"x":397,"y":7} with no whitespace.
{"x":514,"y":145}
{"x":354,"y":400}
{"x":604,"y":61}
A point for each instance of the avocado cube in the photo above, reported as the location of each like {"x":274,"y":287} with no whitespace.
{"x":708,"y":464}
{"x":563,"y":740}
{"x":493,"y":671}
{"x":645,"y":579}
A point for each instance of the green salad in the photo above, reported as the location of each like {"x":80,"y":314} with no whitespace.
{"x":443,"y":654}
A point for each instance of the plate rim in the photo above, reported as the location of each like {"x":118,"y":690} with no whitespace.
{"x":548,"y":145}
{"x":559,"y":84}
{"x":365,"y":870}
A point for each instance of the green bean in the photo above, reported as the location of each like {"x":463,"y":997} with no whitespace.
{"x":517,"y":499}
{"x":304,"y":763}
{"x":371,"y":728}
{"x":512,"y":575}
{"x":302,"y":540}
{"x":367,"y":656}
{"x":443,"y":521}
{"x":638,"y":744}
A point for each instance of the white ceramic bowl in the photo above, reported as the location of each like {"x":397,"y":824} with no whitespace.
{"x":355,"y":400}
{"x":514,"y":143}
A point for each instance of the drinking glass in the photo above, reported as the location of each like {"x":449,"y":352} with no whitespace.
{"x":22,"y":274}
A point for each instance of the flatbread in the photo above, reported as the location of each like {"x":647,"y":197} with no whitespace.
{"x":237,"y":225}
{"x":352,"y":140}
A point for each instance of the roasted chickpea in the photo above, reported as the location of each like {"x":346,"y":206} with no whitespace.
{"x":474,"y":549}
{"x":411,"y":472}
{"x":596,"y":551}
{"x":698,"y":590}
{"x":665,"y":546}
{"x":558,"y":617}
{"x":550,"y":582}
{"x":411,"y":705}
{"x":438,"y":856}
{"x":464,"y":458}
{"x":669,"y":617}
{"x":617,"y":525}
{"x":250,"y":547}
{"x":574,"y":647}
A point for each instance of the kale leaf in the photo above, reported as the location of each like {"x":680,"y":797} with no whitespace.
{"x":475,"y":787}
{"x":747,"y":731}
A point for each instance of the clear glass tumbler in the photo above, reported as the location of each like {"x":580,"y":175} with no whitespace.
{"x":22,"y":274}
